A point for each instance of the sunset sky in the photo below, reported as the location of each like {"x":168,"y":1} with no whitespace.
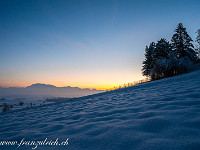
{"x":85,"y":43}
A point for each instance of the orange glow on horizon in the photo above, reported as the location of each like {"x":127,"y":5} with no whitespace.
{"x":97,"y":86}
{"x":95,"y":80}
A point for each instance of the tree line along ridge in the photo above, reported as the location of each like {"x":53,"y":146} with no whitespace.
{"x":164,"y":59}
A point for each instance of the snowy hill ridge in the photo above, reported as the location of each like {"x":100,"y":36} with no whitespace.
{"x":163,"y":114}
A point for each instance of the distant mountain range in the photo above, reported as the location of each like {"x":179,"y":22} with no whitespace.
{"x":46,"y":90}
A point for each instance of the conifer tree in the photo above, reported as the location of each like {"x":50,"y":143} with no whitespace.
{"x":182,"y":45}
{"x":160,"y":59}
{"x":162,"y":49}
{"x":165,"y":59}
{"x":148,"y":63}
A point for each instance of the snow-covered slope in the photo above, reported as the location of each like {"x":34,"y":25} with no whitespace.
{"x":163,"y":114}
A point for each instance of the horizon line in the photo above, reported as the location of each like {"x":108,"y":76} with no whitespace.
{"x":51,"y":85}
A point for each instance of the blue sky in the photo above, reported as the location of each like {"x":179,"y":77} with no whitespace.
{"x":86,"y":43}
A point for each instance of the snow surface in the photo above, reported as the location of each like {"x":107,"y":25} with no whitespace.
{"x":163,"y":114}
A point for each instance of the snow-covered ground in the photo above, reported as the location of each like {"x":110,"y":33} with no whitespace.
{"x":159,"y":115}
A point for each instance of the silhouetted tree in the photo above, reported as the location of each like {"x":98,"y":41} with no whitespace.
{"x":165,"y":59}
{"x":162,"y":49}
{"x":148,"y":63}
{"x":182,"y":45}
{"x":160,"y":59}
